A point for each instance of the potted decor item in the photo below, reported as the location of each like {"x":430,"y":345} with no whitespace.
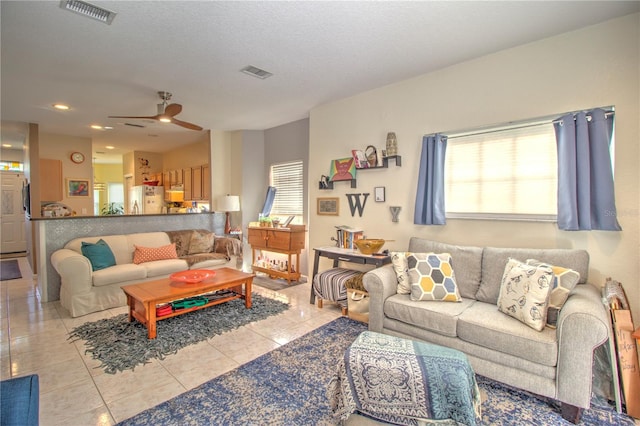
{"x":265,"y":221}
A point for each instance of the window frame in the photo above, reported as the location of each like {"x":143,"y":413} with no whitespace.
{"x":299,"y":164}
{"x":526,"y":217}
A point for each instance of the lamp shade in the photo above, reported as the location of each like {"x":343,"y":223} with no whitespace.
{"x":229,"y":203}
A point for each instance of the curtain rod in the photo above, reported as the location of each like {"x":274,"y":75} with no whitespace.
{"x":521,"y":124}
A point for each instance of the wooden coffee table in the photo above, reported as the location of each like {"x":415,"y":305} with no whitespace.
{"x":142,"y":298}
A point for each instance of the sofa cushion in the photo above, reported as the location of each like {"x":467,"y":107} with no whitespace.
{"x":466,"y":259}
{"x":201,"y":241}
{"x":99,"y":254}
{"x":432,"y":277}
{"x":143,"y":239}
{"x":117,"y":243}
{"x":182,"y":239}
{"x":118,"y":274}
{"x":207,"y":260}
{"x":495,"y":259}
{"x":399,"y":262}
{"x":434,"y":316}
{"x":524,"y":292}
{"x":483,"y":325}
{"x":564,"y":281}
{"x":150,"y":254}
{"x":164,"y":267}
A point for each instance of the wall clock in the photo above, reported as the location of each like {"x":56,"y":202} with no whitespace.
{"x":77,"y":157}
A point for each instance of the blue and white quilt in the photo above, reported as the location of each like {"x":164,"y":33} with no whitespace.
{"x":404,"y":382}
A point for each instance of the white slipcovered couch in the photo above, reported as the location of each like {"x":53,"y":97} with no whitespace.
{"x":555,"y":363}
{"x":84,"y":290}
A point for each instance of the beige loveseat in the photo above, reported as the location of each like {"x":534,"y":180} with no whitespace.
{"x":84,"y":290}
{"x":555,"y":363}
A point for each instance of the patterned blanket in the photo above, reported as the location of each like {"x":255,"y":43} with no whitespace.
{"x":400,"y":381}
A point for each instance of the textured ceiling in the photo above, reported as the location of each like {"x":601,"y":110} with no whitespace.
{"x":318,"y":52}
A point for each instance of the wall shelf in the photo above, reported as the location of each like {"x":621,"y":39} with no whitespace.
{"x":385,"y":165}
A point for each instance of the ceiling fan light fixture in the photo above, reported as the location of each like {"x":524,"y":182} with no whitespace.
{"x":165,"y":119}
{"x":87,"y":9}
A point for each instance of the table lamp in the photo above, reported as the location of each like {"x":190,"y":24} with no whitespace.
{"x":228,"y":203}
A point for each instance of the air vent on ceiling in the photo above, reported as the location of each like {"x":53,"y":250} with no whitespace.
{"x":134,"y":125}
{"x":87,"y":9}
{"x":256,"y":72}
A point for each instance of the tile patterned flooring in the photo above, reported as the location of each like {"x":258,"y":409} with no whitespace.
{"x":33,"y":339}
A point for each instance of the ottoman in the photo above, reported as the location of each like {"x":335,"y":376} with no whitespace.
{"x":400,"y":381}
{"x":330,"y":285}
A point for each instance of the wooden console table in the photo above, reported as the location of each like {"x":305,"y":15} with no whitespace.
{"x":344,"y":255}
{"x":289,"y":241}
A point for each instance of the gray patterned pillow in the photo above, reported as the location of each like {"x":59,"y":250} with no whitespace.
{"x":399,"y":262}
{"x":524,"y":292}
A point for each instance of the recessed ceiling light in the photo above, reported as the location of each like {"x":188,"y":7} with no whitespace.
{"x":110,"y":147}
{"x":108,"y":128}
{"x":61,"y":107}
{"x":6,"y":145}
{"x":96,"y":126}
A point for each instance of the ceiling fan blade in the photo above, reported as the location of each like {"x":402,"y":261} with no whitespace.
{"x":152,"y":117}
{"x":185,"y":124}
{"x":172,"y":110}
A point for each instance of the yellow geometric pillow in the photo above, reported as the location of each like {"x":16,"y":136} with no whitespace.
{"x":432,"y":277}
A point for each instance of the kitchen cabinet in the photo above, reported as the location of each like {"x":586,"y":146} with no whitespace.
{"x":50,"y":180}
{"x":289,"y":241}
{"x":197,"y":185}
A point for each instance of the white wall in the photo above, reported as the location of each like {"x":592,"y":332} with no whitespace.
{"x":591,"y":67}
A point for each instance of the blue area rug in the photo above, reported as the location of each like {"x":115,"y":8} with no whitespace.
{"x":288,"y":387}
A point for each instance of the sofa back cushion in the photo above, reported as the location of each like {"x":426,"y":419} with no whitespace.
{"x":466,"y":262}
{"x":495,"y":259}
{"x":117,"y":244}
{"x":145,"y":239}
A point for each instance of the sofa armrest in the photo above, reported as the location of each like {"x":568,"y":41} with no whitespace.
{"x":583,"y":325}
{"x":381,"y":283}
{"x":75,"y":270}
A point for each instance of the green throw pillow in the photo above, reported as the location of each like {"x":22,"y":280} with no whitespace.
{"x":99,"y":254}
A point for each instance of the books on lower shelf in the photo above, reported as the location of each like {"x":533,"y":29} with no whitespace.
{"x":346,"y":235}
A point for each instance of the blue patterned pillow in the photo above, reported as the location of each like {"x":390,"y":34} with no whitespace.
{"x":99,"y":254}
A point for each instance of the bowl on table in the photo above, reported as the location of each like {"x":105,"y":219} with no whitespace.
{"x":369,"y":245}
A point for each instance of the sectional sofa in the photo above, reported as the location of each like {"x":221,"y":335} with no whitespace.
{"x":554,"y":362}
{"x":91,"y":279}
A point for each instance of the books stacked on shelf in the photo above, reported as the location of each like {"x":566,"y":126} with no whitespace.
{"x":346,"y":236}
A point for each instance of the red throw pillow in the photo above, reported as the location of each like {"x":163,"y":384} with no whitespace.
{"x":149,"y":254}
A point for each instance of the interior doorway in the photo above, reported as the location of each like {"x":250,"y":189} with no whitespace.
{"x":12,"y":215}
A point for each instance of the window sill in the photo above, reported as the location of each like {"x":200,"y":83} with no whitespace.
{"x":504,"y":217}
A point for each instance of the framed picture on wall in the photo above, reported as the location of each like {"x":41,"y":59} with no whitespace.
{"x":378,"y":192}
{"x":77,"y":187}
{"x":328,"y":206}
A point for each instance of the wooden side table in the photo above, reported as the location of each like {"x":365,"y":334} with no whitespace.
{"x":289,"y":241}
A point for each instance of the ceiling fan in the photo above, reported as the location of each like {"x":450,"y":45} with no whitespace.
{"x":166,"y":113}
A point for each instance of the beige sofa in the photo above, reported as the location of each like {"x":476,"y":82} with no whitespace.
{"x":555,"y":363}
{"x":84,"y":290}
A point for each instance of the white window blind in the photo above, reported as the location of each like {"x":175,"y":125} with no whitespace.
{"x":288,"y":180}
{"x":502,"y":172}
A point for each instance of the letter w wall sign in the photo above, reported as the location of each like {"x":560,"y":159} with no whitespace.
{"x":356,"y":204}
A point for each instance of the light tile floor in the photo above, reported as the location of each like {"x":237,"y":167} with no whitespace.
{"x":74,"y":391}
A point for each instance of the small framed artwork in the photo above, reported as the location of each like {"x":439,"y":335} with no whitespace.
{"x":328,"y":206}
{"x":378,"y":194}
{"x":342,"y":169}
{"x":77,"y":187}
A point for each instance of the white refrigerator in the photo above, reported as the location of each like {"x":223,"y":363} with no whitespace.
{"x":149,"y":199}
